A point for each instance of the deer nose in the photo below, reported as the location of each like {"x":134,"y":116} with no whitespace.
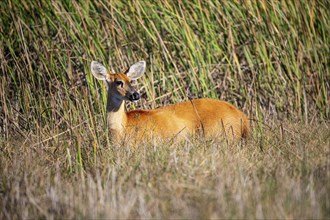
{"x":135,"y":96}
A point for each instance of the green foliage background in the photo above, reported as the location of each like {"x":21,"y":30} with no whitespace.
{"x":270,"y":58}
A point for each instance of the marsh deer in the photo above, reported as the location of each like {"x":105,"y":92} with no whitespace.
{"x":204,"y":116}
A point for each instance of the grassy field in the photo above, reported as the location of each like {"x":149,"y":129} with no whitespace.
{"x":268,"y":58}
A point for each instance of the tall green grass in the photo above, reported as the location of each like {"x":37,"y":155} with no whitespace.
{"x":270,"y":58}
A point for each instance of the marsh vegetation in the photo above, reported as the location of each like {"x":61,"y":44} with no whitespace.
{"x":268,"y":58}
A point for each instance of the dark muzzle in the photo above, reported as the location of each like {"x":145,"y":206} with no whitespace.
{"x":135,"y":96}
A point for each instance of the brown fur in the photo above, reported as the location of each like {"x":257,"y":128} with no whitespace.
{"x":208,"y":117}
{"x":205,"y":116}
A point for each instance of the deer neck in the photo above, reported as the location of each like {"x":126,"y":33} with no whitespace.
{"x":116,"y":115}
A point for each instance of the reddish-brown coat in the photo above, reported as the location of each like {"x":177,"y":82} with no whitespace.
{"x":200,"y":116}
{"x":207,"y":117}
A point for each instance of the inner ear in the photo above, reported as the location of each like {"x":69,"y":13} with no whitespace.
{"x":98,"y":70}
{"x":136,"y":70}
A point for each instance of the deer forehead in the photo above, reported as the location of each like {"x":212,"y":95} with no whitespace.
{"x":119,"y":76}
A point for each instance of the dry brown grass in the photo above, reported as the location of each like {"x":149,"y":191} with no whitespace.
{"x":284,"y":174}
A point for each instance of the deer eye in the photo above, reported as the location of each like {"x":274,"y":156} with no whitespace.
{"x":119,"y":83}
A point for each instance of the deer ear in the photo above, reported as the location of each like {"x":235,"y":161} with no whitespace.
{"x":98,"y":70}
{"x":136,"y":70}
